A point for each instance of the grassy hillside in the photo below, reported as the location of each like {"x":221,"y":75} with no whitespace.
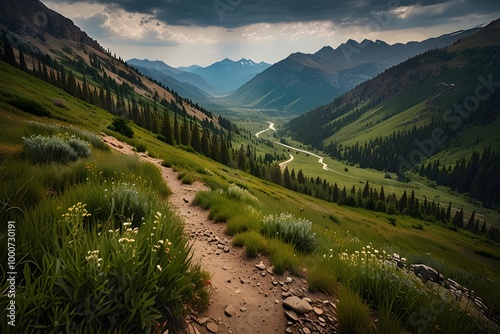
{"x":465,"y":257}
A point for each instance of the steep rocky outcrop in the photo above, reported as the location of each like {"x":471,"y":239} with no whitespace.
{"x":31,"y":18}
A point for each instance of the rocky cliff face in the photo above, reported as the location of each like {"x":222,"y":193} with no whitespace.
{"x":32,"y":18}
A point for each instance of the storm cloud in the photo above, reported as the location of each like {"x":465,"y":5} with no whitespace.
{"x":238,"y":13}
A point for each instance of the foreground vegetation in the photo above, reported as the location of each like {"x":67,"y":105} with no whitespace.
{"x":97,"y":248}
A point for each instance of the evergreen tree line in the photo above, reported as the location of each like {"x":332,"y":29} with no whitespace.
{"x":366,"y":198}
{"x":387,"y":152}
{"x":477,"y":175}
{"x":119,"y":99}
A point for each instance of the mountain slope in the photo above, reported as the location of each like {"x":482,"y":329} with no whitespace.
{"x":303,"y":81}
{"x":178,"y":75}
{"x":441,"y":105}
{"x":49,"y":38}
{"x":227,"y":75}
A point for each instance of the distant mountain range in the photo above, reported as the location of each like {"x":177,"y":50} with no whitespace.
{"x":198,"y":82}
{"x":304,"y":81}
{"x":437,"y":113}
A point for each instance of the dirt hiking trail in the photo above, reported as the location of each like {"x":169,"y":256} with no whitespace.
{"x":244,"y":298}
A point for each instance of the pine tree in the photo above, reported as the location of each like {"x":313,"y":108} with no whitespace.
{"x":185,"y":133}
{"x":8,"y":52}
{"x":470,"y":223}
{"x":22,"y":62}
{"x":224,"y":151}
{"x":205,"y":142}
{"x":196,"y":142}
{"x":166,"y":128}
{"x":366,"y":190}
{"x":177,"y":133}
{"x":448,"y":213}
{"x":287,"y":182}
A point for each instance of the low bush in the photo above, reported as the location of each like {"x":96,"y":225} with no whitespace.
{"x":59,"y":148}
{"x":292,"y":230}
{"x":239,"y":194}
{"x":141,"y":148}
{"x":60,"y":103}
{"x":186,"y":177}
{"x":121,"y":125}
{"x":54,"y":129}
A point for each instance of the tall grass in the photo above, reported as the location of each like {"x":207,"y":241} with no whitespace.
{"x":353,"y":313}
{"x":254,"y":243}
{"x":84,"y":269}
{"x":283,"y":257}
{"x":406,"y":301}
{"x":226,"y":207}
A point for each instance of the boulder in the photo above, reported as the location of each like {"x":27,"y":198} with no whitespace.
{"x":298,"y":305}
{"x":427,"y":273}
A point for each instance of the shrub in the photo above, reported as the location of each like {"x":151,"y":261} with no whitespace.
{"x":334,"y":218}
{"x":380,"y":206}
{"x":59,"y":148}
{"x":30,"y":106}
{"x":141,"y":148}
{"x":292,"y":230}
{"x":350,"y":201}
{"x":121,"y":125}
{"x":186,"y":178}
{"x":392,"y":221}
{"x":54,"y":129}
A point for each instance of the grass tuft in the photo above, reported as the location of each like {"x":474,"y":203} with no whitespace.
{"x":253,"y":241}
{"x":353,"y":313}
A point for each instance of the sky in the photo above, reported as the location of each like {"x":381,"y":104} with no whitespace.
{"x":201,"y":32}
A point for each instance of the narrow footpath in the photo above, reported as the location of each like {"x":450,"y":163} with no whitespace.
{"x":244,"y":298}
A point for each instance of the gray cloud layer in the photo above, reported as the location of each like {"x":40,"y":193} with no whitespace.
{"x":237,"y":13}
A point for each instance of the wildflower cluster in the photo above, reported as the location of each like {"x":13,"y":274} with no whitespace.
{"x":129,"y":233}
{"x":74,"y":217}
{"x":93,"y":258}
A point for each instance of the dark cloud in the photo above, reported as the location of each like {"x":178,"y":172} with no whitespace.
{"x":237,"y":13}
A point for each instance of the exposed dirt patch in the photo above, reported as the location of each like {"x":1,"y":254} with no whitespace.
{"x":245,"y":299}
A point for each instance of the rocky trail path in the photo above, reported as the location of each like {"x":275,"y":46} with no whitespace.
{"x":246,"y":296}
